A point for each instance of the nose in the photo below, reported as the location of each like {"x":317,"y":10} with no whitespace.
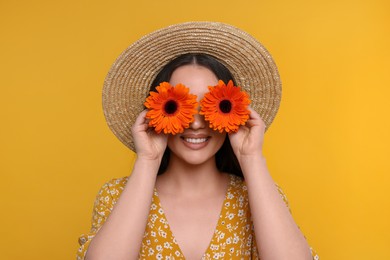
{"x":198,"y":122}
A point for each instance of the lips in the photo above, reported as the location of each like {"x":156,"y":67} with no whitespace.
{"x":195,"y":141}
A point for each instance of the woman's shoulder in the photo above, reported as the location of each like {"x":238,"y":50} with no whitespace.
{"x":238,"y":186}
{"x":117,"y":182}
{"x":237,"y":182}
{"x":113,"y":188}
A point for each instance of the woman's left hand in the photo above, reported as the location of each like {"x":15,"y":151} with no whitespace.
{"x":248,"y":140}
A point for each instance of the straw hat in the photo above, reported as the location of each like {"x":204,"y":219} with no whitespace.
{"x":128,"y":81}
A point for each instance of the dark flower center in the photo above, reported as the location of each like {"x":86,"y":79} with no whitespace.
{"x":225,"y":106}
{"x":170,"y":107}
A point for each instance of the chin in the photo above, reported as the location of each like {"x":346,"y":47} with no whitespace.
{"x":196,"y":159}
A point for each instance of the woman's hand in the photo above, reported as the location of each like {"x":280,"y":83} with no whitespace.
{"x":148,"y":144}
{"x":248,"y":141}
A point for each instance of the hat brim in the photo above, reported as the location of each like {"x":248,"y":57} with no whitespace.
{"x":128,"y":81}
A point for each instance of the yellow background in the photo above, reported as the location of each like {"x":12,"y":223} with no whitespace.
{"x":328,"y":147}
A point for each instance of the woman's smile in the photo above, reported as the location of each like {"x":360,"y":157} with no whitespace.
{"x":195,"y":141}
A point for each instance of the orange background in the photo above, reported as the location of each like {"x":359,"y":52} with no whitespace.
{"x":328,"y":147}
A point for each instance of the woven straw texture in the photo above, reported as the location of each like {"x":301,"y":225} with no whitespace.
{"x":128,"y":81}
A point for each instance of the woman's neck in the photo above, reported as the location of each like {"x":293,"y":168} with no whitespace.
{"x":183,"y":178}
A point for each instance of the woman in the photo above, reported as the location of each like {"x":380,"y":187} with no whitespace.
{"x":186,"y":196}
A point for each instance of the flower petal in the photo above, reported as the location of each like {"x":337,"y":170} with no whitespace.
{"x":220,"y":120}
{"x":170,"y":122}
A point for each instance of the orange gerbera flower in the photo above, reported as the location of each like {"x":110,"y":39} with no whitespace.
{"x":225,"y":107}
{"x":171,"y":109}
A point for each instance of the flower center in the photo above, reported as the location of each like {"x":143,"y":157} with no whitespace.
{"x":170,"y":107}
{"x":225,"y":106}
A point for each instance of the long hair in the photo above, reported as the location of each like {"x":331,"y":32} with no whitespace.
{"x":225,"y":159}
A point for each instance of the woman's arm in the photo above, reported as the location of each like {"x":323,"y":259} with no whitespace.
{"x":277,"y":235}
{"x":121,"y":235}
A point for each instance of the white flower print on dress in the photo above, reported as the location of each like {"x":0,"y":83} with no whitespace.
{"x":232,"y":239}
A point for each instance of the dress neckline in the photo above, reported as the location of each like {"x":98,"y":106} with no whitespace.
{"x":219,"y":222}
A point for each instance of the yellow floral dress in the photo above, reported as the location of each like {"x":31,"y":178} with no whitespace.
{"x":233,"y":237}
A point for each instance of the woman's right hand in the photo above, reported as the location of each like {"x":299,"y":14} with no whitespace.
{"x":128,"y":218}
{"x":148,"y":144}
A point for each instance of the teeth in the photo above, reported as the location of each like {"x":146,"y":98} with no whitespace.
{"x":195,"y":140}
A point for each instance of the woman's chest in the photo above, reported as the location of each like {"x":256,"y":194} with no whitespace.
{"x":193,"y":223}
{"x":199,"y":230}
